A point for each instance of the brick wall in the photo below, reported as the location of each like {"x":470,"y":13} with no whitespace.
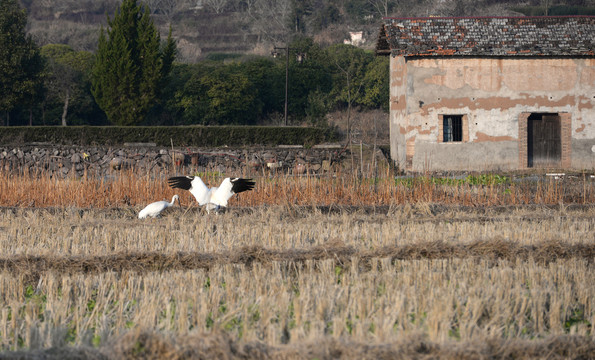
{"x":566,"y":139}
{"x":523,"y":141}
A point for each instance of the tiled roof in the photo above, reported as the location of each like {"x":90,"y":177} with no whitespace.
{"x":489,"y":36}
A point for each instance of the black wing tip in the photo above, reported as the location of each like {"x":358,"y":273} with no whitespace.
{"x":180,"y":182}
{"x":241,"y":185}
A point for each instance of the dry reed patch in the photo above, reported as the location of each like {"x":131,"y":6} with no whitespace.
{"x":279,"y":303}
{"x":130,"y":189}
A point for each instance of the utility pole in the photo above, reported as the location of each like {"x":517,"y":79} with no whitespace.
{"x":299,"y":58}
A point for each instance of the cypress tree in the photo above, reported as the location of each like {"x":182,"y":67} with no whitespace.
{"x":128,"y":71}
{"x":169,"y":54}
{"x":21,"y":65}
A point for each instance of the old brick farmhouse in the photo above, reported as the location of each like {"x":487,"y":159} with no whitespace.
{"x":491,"y":93}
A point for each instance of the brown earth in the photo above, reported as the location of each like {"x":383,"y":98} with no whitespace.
{"x":218,"y":345}
{"x":32,"y":267}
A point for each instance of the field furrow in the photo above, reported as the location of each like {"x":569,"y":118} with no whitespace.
{"x":488,"y":249}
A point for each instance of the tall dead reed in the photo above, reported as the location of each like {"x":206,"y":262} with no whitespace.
{"x":128,"y":188}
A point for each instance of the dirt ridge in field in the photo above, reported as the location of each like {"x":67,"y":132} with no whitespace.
{"x":432,"y":208}
{"x":492,"y":249}
{"x":219,"y":345}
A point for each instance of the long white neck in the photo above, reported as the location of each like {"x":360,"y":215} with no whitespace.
{"x":173,"y":200}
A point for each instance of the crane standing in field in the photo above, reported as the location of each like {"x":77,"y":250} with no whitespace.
{"x":214,"y":198}
{"x":155,"y":209}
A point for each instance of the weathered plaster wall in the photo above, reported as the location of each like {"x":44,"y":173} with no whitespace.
{"x":398,"y":93}
{"x":492,"y":92}
{"x":467,"y":156}
{"x":583,"y":154}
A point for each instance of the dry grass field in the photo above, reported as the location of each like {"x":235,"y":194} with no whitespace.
{"x":304,"y":268}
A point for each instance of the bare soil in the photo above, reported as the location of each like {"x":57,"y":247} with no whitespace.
{"x":493,"y":249}
{"x":218,"y":345}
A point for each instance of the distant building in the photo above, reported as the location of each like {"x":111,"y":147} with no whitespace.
{"x":491,"y":93}
{"x":355,"y":38}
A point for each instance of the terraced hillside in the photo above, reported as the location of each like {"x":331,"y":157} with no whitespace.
{"x":203,"y":27}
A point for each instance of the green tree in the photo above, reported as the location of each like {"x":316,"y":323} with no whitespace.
{"x":231,"y":98}
{"x":310,"y":75}
{"x":301,"y":10}
{"x":327,"y":16}
{"x":66,"y":74}
{"x":168,"y":55}
{"x":348,"y":64}
{"x":358,"y":10}
{"x":222,"y":96}
{"x":21,"y":65}
{"x":265,"y":76}
{"x":130,"y":65}
{"x":190,"y":100}
{"x":376,"y":84}
{"x":316,"y":108}
{"x":169,"y":111}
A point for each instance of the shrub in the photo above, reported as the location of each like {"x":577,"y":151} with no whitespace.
{"x":203,"y":136}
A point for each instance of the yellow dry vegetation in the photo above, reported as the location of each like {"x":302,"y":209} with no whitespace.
{"x":301,"y":267}
{"x":286,"y":306}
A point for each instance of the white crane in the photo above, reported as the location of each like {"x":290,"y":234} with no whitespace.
{"x":214,"y":198}
{"x":155,"y":209}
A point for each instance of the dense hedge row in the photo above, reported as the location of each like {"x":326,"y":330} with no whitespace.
{"x":556,"y":10}
{"x":199,"y":136}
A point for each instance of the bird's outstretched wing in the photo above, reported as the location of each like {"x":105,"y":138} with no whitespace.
{"x":194,"y":184}
{"x":241,"y":185}
{"x":229,"y":187}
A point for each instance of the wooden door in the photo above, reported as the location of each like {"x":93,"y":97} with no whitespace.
{"x":544,"y":140}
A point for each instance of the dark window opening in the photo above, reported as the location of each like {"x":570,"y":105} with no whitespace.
{"x":452,"y":128}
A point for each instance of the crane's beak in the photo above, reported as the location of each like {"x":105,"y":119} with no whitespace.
{"x":179,"y":202}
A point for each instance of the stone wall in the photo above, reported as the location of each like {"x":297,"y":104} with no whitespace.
{"x":62,"y":161}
